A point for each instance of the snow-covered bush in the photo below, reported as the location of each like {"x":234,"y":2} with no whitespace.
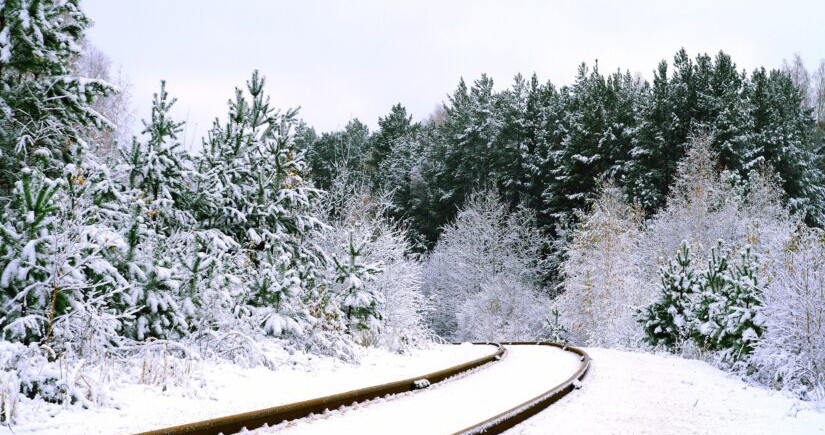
{"x":601,"y":275}
{"x":707,"y":204}
{"x":34,"y":372}
{"x":387,"y":277}
{"x":791,"y":353}
{"x":484,"y":273}
{"x":504,"y":310}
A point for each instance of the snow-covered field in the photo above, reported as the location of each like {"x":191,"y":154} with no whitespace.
{"x":637,"y":393}
{"x":214,"y":390}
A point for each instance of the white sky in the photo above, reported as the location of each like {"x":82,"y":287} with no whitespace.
{"x":344,"y":59}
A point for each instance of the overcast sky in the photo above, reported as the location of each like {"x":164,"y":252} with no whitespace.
{"x":354,"y":59}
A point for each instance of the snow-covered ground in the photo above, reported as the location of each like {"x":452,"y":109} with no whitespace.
{"x":452,"y":406}
{"x":214,"y":390}
{"x":624,"y":393}
{"x":637,"y":393}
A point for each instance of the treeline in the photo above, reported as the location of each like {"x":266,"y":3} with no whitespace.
{"x":548,"y":147}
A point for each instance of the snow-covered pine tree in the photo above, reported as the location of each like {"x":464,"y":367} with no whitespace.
{"x":160,"y":170}
{"x":44,"y":108}
{"x":251,"y":187}
{"x":397,"y":125}
{"x":596,"y":133}
{"x":355,"y":214}
{"x":360,"y":303}
{"x":783,"y":136}
{"x":471,"y":147}
{"x":334,"y":152}
{"x":652,"y":162}
{"x":156,"y":179}
{"x":30,"y":297}
{"x":709,"y":307}
{"x":742,"y":319}
{"x":727,"y":308}
{"x":667,"y":321}
{"x":50,"y":245}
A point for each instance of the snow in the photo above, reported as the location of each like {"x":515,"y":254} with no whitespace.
{"x":215,"y":390}
{"x":451,"y":406}
{"x":638,"y":393}
{"x":623,"y":393}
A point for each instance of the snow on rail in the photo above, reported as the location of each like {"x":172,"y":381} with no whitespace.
{"x":527,"y":373}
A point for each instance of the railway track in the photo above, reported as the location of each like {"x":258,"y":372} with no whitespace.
{"x":507,"y":417}
{"x":517,"y":414}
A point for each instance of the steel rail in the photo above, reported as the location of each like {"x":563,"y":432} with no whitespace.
{"x":510,"y":418}
{"x":291,"y":411}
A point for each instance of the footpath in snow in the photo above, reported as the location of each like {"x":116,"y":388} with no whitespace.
{"x":524,"y":373}
{"x":215,"y":390}
{"x":637,"y":393}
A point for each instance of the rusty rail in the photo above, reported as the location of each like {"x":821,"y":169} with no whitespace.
{"x":510,"y":418}
{"x":275,"y":415}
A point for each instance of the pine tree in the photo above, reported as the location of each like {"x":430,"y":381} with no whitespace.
{"x":598,"y":131}
{"x":742,"y":320}
{"x":360,"y":304}
{"x":656,"y":150}
{"x":30,"y":297}
{"x":782,"y":137}
{"x":334,"y":152}
{"x":160,"y":169}
{"x":710,"y":305}
{"x":667,"y":322}
{"x":397,"y":125}
{"x":252,"y":188}
{"x":157,"y":177}
{"x":54,"y":239}
{"x":44,"y":108}
{"x":471,"y":131}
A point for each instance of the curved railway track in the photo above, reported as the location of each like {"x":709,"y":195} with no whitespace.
{"x":507,"y":417}
{"x":513,"y":416}
{"x":291,"y":411}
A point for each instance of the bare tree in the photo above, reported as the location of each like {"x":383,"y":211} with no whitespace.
{"x":800,"y":76}
{"x":116,"y":108}
{"x":818,"y":89}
